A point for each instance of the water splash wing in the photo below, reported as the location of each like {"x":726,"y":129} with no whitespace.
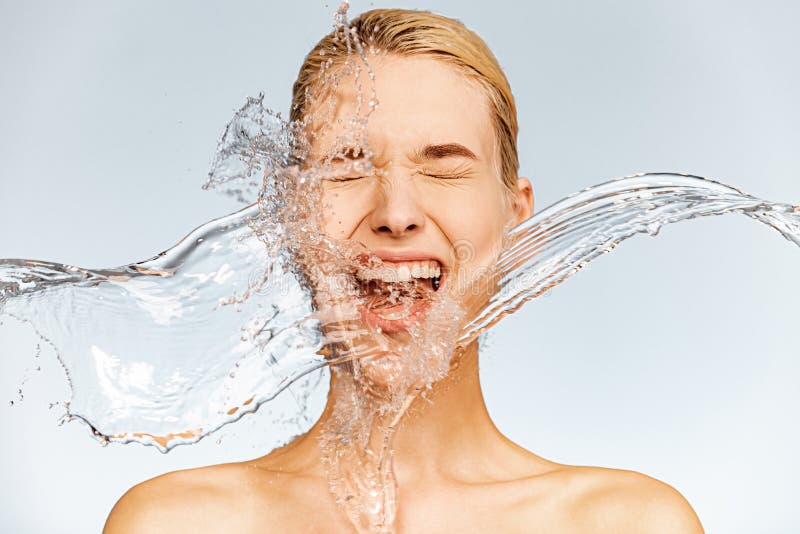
{"x":557,"y":242}
{"x":167,"y":350}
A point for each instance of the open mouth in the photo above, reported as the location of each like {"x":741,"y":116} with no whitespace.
{"x":396,"y":294}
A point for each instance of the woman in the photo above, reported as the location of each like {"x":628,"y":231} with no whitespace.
{"x":429,"y":173}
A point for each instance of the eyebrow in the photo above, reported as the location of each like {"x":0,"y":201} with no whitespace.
{"x":353,"y":153}
{"x":445,"y":150}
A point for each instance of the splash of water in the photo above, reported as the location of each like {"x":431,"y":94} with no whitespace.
{"x":561,"y":239}
{"x":165,"y":351}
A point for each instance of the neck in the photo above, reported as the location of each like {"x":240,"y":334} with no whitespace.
{"x":448,"y":428}
{"x":445,"y":431}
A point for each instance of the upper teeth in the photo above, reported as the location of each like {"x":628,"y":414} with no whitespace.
{"x":401,"y":271}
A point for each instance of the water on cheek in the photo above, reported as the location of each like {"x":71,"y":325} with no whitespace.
{"x":332,"y":221}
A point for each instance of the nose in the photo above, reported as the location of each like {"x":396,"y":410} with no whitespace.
{"x":397,"y":210}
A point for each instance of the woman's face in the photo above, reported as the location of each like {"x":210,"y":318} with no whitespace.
{"x":432,"y":207}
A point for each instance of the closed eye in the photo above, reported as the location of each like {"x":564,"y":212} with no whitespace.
{"x":343,"y":178}
{"x":447,"y":172}
{"x":445,"y":175}
{"x":345,"y":174}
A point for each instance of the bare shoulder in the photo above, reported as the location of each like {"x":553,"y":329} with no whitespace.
{"x":618,"y":500}
{"x":192,"y":500}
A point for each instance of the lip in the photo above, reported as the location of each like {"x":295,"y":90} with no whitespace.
{"x":419,"y":311}
{"x":391,"y":326}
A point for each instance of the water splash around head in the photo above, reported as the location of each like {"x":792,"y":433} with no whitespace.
{"x":165,"y":351}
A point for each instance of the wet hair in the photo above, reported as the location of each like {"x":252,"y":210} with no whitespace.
{"x":421,"y":33}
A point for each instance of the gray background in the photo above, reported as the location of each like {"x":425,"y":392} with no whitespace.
{"x":675,"y":356}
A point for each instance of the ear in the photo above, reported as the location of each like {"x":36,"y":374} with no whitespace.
{"x":523,"y":200}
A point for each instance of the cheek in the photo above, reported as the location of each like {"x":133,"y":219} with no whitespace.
{"x":476,"y":243}
{"x":474,"y":223}
{"x":343,"y":208}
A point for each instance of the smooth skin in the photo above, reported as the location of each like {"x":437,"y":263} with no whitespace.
{"x":456,"y":471}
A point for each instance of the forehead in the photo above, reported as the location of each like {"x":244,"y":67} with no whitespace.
{"x":421,"y":101}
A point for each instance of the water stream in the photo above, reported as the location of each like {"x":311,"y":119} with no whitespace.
{"x":167,"y":350}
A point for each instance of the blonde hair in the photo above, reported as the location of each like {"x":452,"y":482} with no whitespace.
{"x":408,"y":33}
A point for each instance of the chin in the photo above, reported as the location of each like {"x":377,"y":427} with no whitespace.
{"x":415,"y":358}
{"x":385,"y":375}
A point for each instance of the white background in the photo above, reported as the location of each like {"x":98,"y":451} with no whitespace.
{"x":676,"y":356}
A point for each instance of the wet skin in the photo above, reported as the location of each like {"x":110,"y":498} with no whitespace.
{"x":456,"y":471}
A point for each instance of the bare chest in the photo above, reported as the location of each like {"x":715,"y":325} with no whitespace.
{"x":310,"y":508}
{"x":490,"y":510}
